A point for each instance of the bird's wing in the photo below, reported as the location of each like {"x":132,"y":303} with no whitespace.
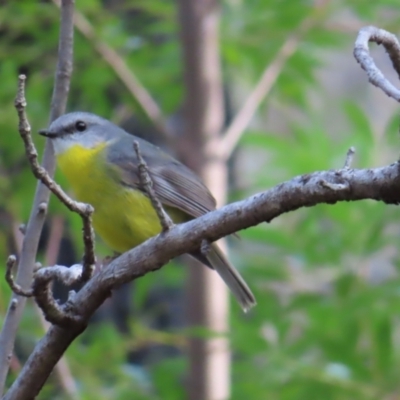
{"x":175,"y":184}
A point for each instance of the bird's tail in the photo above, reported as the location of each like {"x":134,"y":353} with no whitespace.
{"x":216,"y":260}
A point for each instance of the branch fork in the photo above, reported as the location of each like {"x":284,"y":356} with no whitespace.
{"x":41,"y":289}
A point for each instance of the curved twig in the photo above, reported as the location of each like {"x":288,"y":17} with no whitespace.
{"x":363,"y":57}
{"x":42,"y":291}
{"x":17,"y":289}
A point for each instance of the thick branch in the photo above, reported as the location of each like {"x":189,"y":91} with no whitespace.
{"x":382,"y":184}
{"x":362,"y":55}
{"x":62,"y":370}
{"x":38,"y":213}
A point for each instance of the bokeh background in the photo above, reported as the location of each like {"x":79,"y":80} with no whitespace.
{"x":326,"y":278}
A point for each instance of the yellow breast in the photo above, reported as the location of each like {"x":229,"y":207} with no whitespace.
{"x":123,"y":217}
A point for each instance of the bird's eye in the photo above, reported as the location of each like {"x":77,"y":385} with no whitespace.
{"x":80,"y":126}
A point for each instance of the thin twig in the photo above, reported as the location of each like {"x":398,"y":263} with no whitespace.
{"x":84,"y":210}
{"x":235,"y":130}
{"x":139,"y":93}
{"x":17,"y":289}
{"x":363,"y":57}
{"x":89,"y":257}
{"x":147,"y":183}
{"x":349,"y":157}
{"x":32,"y":155}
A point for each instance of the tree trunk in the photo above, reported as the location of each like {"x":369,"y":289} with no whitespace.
{"x":207,"y":295}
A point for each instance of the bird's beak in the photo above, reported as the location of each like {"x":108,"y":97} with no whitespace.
{"x":47,"y":133}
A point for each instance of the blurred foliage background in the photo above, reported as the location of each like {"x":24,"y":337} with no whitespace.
{"x":326,"y":278}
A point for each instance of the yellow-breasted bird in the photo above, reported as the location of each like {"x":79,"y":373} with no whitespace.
{"x":99,"y":161}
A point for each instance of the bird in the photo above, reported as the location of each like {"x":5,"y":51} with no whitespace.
{"x":99,"y":162}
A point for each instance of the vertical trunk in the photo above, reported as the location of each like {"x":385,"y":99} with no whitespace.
{"x":207,"y":302}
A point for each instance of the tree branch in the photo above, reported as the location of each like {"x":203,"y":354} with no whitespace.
{"x":36,"y":219}
{"x":41,"y":287}
{"x":42,"y":291}
{"x":147,"y":183}
{"x":124,"y":73}
{"x":235,"y":130}
{"x":363,"y":57}
{"x":349,"y":157}
{"x":381,"y":184}
{"x":84,"y":210}
{"x":62,"y":370}
{"x":17,"y":289}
